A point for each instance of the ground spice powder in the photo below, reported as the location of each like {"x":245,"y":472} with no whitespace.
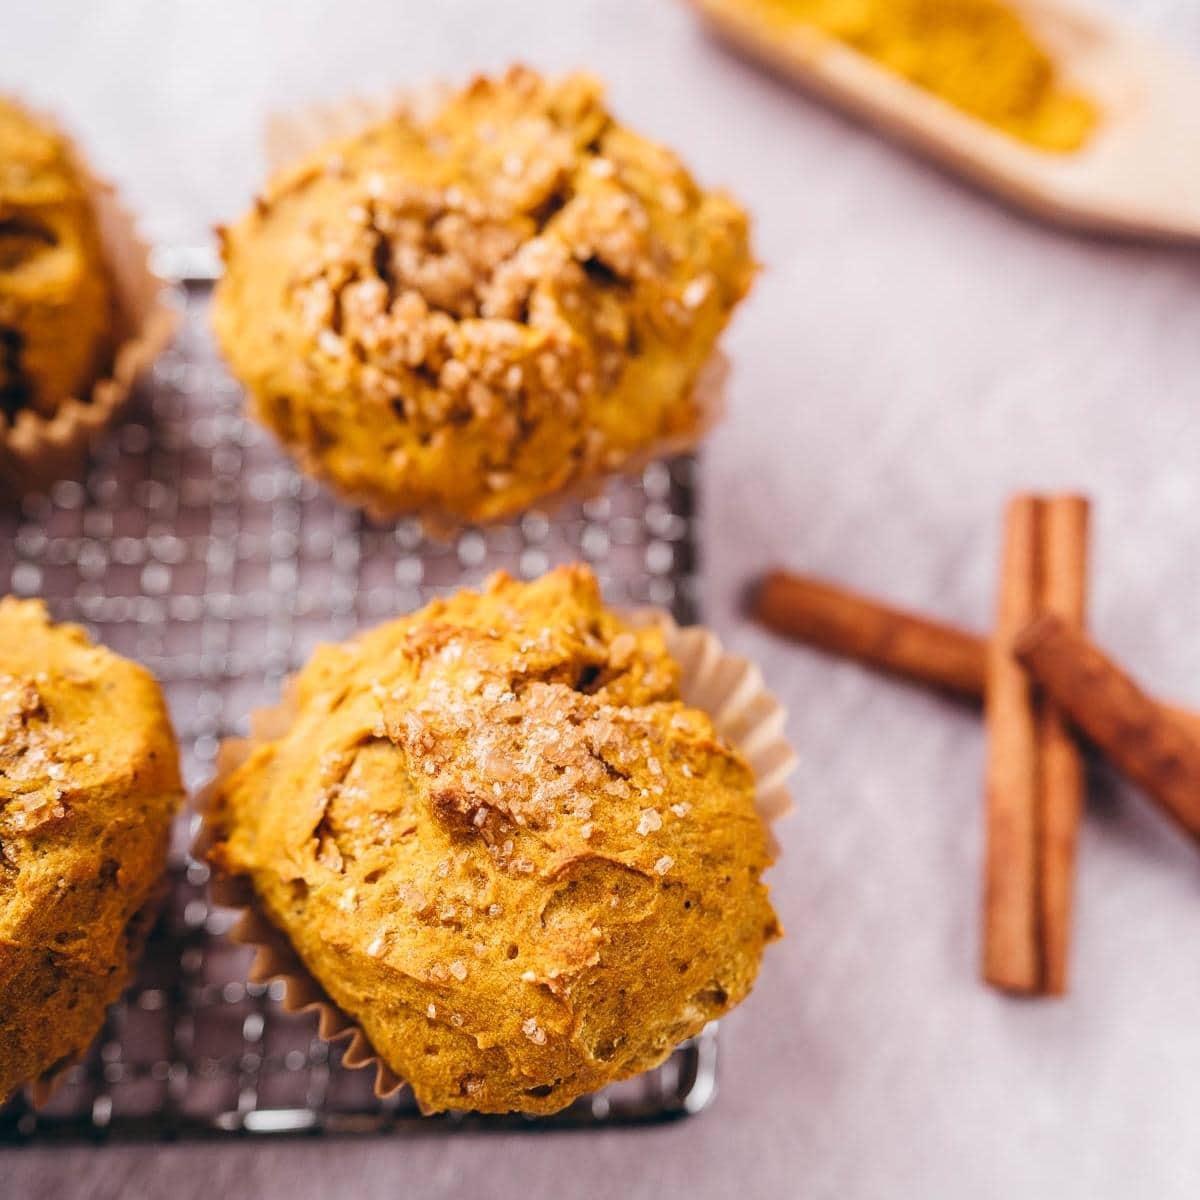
{"x":978,"y":55}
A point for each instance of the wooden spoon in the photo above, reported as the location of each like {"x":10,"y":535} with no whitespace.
{"x":1139,"y":172}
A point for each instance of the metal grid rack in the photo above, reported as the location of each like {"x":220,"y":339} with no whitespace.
{"x":195,"y":548}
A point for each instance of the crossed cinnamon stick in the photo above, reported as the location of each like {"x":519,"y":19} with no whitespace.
{"x":841,"y":621}
{"x":1042,"y":681}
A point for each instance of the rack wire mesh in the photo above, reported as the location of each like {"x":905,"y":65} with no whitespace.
{"x":195,"y":548}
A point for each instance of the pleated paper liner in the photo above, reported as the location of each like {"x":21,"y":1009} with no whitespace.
{"x":729,"y":688}
{"x":36,"y":451}
{"x":293,"y":136}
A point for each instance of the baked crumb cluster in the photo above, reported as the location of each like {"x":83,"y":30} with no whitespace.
{"x":477,"y":302}
{"x":545,"y":735}
{"x":56,"y":303}
{"x":89,"y":783}
{"x":31,"y":768}
{"x":505,"y":846}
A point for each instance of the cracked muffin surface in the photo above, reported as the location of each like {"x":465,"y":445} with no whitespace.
{"x":502,"y":843}
{"x":89,"y":783}
{"x":481,"y":300}
{"x":56,"y":299}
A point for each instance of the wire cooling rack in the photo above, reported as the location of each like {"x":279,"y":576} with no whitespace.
{"x":195,"y":548}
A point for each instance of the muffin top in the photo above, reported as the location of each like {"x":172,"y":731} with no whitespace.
{"x":89,"y":781}
{"x":481,"y":299}
{"x":505,"y":846}
{"x":56,"y":300}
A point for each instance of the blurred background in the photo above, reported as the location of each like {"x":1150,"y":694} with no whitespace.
{"x":911,"y":354}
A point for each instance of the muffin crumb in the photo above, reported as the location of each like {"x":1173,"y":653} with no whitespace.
{"x":471,"y":307}
{"x":89,"y":783}
{"x":56,"y":300}
{"x":497,"y":836}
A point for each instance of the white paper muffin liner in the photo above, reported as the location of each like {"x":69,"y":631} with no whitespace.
{"x":727,"y":687}
{"x":36,"y":451}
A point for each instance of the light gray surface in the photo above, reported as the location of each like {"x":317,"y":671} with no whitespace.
{"x":910,"y":355}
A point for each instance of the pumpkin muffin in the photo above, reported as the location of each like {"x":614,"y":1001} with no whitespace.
{"x":476,"y":303}
{"x":502,"y":843}
{"x":89,"y":782}
{"x":56,"y":296}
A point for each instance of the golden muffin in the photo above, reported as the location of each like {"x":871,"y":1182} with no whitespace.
{"x":472,"y":305}
{"x":89,"y":782}
{"x":56,"y":298}
{"x":503,"y":844}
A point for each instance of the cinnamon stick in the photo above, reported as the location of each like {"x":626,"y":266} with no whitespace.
{"x":1034,"y":774}
{"x":1063,"y":594}
{"x":897,"y":641}
{"x":847,"y":623}
{"x":1152,"y":747}
{"x":1012,"y":954}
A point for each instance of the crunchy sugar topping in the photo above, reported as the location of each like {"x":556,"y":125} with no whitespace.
{"x":492,"y":267}
{"x":31,"y":751}
{"x":538,"y":227}
{"x":696,"y":292}
{"x":533,"y":1031}
{"x":649,"y":822}
{"x":25,"y":740}
{"x":532,"y":760}
{"x":458,"y":969}
{"x":533,"y":720}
